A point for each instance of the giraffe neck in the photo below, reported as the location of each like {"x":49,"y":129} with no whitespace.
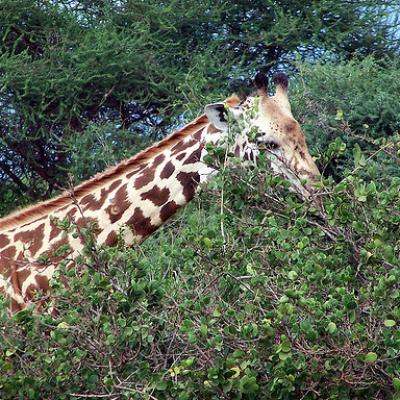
{"x":141,"y":200}
{"x":130,"y":202}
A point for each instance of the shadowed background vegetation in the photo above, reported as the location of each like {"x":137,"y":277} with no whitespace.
{"x":293,"y":304}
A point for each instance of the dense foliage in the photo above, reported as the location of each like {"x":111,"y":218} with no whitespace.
{"x":356,"y":103}
{"x":249,"y":293}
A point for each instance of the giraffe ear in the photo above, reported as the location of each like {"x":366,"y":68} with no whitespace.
{"x":261,"y":82}
{"x":281,"y":79}
{"x":217,"y":115}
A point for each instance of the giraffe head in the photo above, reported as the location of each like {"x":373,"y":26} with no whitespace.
{"x":268,"y":125}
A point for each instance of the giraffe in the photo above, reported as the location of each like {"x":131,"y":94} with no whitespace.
{"x":132,"y":199}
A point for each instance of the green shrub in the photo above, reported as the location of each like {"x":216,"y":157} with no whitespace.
{"x":268,"y":299}
{"x":354,"y":102}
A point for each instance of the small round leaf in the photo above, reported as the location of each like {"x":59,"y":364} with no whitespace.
{"x":389,"y":323}
{"x":371,"y":357}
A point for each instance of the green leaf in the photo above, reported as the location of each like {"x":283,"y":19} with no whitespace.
{"x":10,"y":352}
{"x":235,"y":371}
{"x":188,"y":362}
{"x":63,"y":325}
{"x":207,"y":242}
{"x":389,"y":323}
{"x":248,"y":384}
{"x":331,"y":328}
{"x":204,"y":329}
{"x":284,"y":356}
{"x":370,"y":357}
{"x":359,"y":158}
{"x":339,"y":115}
{"x":396,"y":384}
{"x":216,"y":313}
{"x":292,"y":275}
{"x":150,"y":339}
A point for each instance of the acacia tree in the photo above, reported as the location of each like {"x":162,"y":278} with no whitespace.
{"x":76,"y":74}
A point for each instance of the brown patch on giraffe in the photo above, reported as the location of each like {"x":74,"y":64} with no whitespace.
{"x":89,"y":202}
{"x":135,"y":171}
{"x":212,"y":129}
{"x":158,"y":160}
{"x":141,"y":225}
{"x":86,"y":200}
{"x":145,"y":178}
{"x":55,"y":230}
{"x":4,"y":241}
{"x":199,"y":134}
{"x":119,"y":204}
{"x":181,"y":146}
{"x":291,"y":127}
{"x":112,"y":239}
{"x":65,"y":207}
{"x":42,"y":282}
{"x":38,"y":235}
{"x":168,"y":209}
{"x":5,"y":272}
{"x":156,"y":195}
{"x":167,"y":171}
{"x":56,"y":245}
{"x":20,"y":258}
{"x":6,"y":257}
{"x":33,"y":237}
{"x":105,"y":192}
{"x":179,"y":157}
{"x":18,"y":277}
{"x":15,"y":306}
{"x":190,"y":182}
{"x":194,"y":157}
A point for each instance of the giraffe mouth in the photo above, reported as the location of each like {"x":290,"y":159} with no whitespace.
{"x":269,"y":145}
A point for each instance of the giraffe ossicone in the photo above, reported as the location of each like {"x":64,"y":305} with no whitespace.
{"x":132,"y":199}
